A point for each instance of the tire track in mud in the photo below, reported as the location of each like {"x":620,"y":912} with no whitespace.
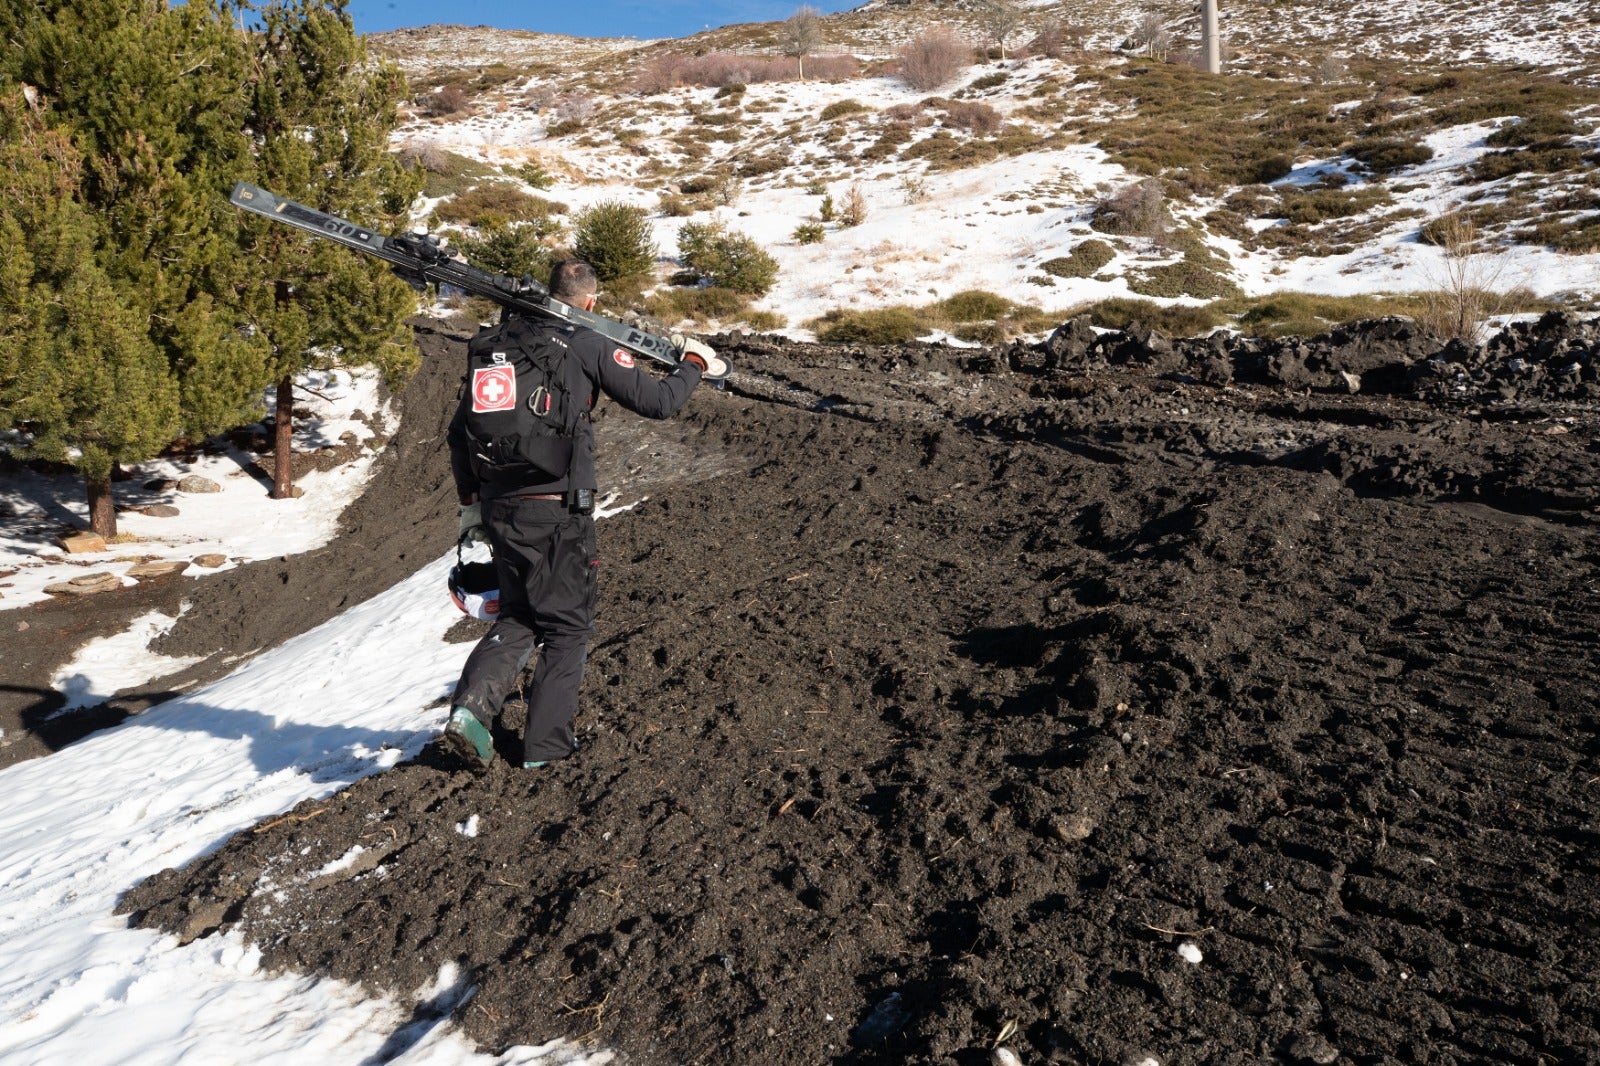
{"x":897,"y":731}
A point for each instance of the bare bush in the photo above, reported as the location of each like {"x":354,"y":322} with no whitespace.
{"x":834,"y":67}
{"x":1151,"y":36}
{"x":1468,"y":281}
{"x":1331,"y":68}
{"x":1138,"y":210}
{"x":972,"y":115}
{"x":574,"y":110}
{"x":451,"y":99}
{"x":933,"y":57}
{"x":724,"y":69}
{"x":855,"y":206}
{"x":1058,"y":39}
{"x":540,"y":97}
{"x":427,"y":155}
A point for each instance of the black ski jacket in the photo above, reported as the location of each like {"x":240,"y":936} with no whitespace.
{"x":594,"y":365}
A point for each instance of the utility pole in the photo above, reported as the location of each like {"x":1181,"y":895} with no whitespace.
{"x":1210,"y":39}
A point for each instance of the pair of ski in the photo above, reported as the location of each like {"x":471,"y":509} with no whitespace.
{"x":421,"y":259}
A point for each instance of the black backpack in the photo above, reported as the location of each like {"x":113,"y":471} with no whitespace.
{"x":521,"y":416}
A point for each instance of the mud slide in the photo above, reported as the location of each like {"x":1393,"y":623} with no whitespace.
{"x":1118,"y":698}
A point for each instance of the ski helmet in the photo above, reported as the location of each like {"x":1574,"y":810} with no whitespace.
{"x":475,"y":588}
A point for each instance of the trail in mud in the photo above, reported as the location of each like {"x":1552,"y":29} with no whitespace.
{"x":972,"y":685}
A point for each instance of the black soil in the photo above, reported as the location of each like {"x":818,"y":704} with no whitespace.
{"x":941,"y":695}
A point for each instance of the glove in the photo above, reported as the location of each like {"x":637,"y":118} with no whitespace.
{"x":713,"y":367}
{"x":469,"y":525}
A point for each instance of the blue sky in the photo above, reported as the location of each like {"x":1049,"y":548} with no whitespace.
{"x":582,"y":18}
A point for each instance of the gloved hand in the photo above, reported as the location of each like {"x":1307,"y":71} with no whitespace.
{"x":713,"y":367}
{"x":469,"y":525}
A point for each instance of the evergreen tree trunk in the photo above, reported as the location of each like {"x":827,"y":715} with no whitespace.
{"x":283,"y":442}
{"x":102,"y":514}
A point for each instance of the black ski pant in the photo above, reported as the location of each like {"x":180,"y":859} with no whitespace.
{"x":545,"y":558}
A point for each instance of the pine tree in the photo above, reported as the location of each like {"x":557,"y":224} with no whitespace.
{"x":320,"y":115}
{"x":150,"y":101}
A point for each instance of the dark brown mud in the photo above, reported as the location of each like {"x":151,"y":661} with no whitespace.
{"x":958,"y":690}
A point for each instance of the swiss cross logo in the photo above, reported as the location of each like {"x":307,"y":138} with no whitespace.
{"x":622,"y":358}
{"x":494,"y":388}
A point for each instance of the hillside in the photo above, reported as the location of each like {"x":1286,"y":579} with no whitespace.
{"x":1008,"y":661}
{"x":1400,"y":150}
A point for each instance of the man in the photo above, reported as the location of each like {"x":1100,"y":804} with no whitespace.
{"x":538,"y":520}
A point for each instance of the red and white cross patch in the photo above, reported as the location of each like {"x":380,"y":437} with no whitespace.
{"x":623,"y":358}
{"x":494,"y":388}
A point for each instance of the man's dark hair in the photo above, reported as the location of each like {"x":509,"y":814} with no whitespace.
{"x":572,"y":279}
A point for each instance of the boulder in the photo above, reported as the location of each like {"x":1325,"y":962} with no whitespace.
{"x":82,"y":542}
{"x":194,"y":483}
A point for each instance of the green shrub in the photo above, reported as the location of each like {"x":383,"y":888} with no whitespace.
{"x":809,"y":233}
{"x":615,"y":238}
{"x":1082,"y":261}
{"x":974,"y":305}
{"x":763,"y":164}
{"x":942,"y":151}
{"x":990,"y":81}
{"x":495,"y":204}
{"x":1384,"y":155}
{"x":841,"y":108}
{"x":535,"y":175}
{"x":444,"y":172}
{"x":727,"y":260}
{"x":1178,"y":321}
{"x":674,"y":206}
{"x":877,"y":325}
{"x":1310,"y":206}
{"x":1192,"y":275}
{"x":515,"y":248}
{"x":700,"y":303}
{"x":1539,"y":160}
{"x":1300,"y":314}
{"x":1525,"y":132}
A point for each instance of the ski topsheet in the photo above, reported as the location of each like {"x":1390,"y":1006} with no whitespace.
{"x":420,"y":259}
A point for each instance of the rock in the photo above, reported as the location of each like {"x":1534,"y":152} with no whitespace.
{"x":210,"y":561}
{"x":194,"y":483}
{"x":1069,"y":345}
{"x":86,"y":585}
{"x":22,"y":627}
{"x":1071,"y":828}
{"x":1352,"y":382}
{"x":1313,"y":1048}
{"x":1004,"y":1056}
{"x":83,"y":541}
{"x":160,"y":484}
{"x":158,"y":568}
{"x":160,"y":510}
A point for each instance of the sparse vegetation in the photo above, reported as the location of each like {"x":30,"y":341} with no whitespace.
{"x":715,"y":256}
{"x":810,"y":233}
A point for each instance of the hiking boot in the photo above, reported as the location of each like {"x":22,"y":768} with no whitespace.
{"x":467,"y":738}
